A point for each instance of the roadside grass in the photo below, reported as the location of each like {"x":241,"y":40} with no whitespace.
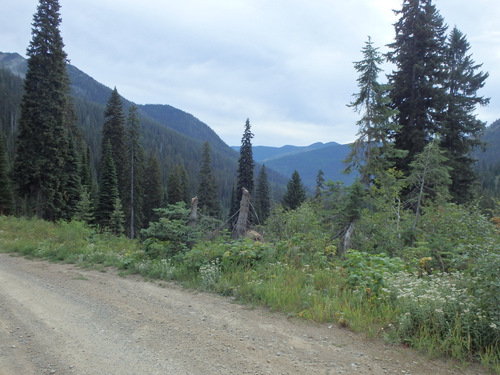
{"x":367,"y":293}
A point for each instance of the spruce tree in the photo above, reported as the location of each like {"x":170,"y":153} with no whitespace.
{"x":320,"y":185}
{"x":6,"y":193}
{"x":84,"y":211}
{"x":72,"y":180}
{"x":117,"y":219}
{"x":153,"y":190}
{"x":416,"y":90}
{"x":460,"y":129}
{"x":262,"y":199}
{"x":246,"y":166}
{"x":135,"y":176}
{"x":295,"y":193}
{"x":207,"y":189}
{"x":108,"y":189}
{"x":114,"y":132}
{"x":42,"y":141}
{"x":369,"y":153}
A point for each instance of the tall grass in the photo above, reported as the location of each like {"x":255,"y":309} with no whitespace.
{"x":442,"y":314}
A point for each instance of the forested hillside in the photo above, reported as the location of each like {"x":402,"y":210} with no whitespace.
{"x":163,"y":136}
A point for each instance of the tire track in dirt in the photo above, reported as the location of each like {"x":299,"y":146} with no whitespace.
{"x":61,"y":319}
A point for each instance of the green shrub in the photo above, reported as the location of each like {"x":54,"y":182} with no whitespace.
{"x":368,"y":273}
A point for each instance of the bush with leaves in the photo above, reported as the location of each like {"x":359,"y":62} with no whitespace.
{"x":454,"y":236}
{"x":170,"y":234}
{"x":368,"y":273}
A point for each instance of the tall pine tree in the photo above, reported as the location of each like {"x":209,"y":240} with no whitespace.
{"x":370,"y":152}
{"x":416,"y":90}
{"x":42,"y":142}
{"x":108,"y":189}
{"x":246,"y":166}
{"x":460,"y":129}
{"x":295,"y":193}
{"x":114,"y":132}
{"x":207,"y":189}
{"x":135,"y":174}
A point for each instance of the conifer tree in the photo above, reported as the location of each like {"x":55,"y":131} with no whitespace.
{"x":72,"y":180}
{"x":114,"y":132}
{"x":117,"y":219}
{"x":369,"y":153}
{"x":84,"y":209}
{"x":460,"y":129}
{"x":295,"y":193}
{"x":320,"y":185}
{"x":39,"y":176}
{"x":416,"y":90}
{"x":178,"y":185}
{"x":108,"y":189}
{"x":6,"y":193}
{"x":153,"y":190}
{"x":207,"y":189}
{"x":86,"y":169}
{"x":135,"y":176}
{"x":262,"y":196}
{"x":246,"y":166}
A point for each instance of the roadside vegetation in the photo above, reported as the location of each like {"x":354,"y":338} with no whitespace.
{"x":440,"y":295}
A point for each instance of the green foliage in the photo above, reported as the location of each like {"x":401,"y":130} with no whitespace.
{"x":39,"y":176}
{"x":370,"y":153}
{"x":454,"y":236}
{"x":169,"y":235}
{"x":6,"y":192}
{"x":246,"y":166}
{"x":136,"y":164}
{"x":153,"y":190}
{"x":460,"y":127}
{"x":369,"y":273}
{"x":442,"y":313}
{"x":84,"y":209}
{"x":262,"y":201}
{"x":178,"y":185}
{"x":208,"y":201}
{"x":114,"y":133}
{"x":417,"y":91}
{"x":108,"y":189}
{"x":295,"y":193}
{"x":117,"y":219}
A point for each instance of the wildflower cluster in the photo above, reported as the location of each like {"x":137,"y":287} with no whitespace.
{"x":442,"y":305}
{"x":210,"y":274}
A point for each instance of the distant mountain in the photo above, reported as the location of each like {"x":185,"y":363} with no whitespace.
{"x":265,"y":153}
{"x":307,"y":160}
{"x":14,"y":63}
{"x":176,"y":136}
{"x":163,"y":136}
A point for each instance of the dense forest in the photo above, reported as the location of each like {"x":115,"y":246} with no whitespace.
{"x":410,"y":250}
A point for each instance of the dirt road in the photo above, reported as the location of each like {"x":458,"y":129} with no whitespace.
{"x":61,"y":319}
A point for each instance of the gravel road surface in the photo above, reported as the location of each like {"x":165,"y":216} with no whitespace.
{"x":61,"y":319}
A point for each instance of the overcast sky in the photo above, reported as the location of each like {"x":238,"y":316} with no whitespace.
{"x":287,"y":65}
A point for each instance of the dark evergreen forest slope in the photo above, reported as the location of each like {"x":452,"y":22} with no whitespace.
{"x":174,"y":136}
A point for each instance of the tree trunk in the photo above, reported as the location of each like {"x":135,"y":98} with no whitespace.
{"x":241,"y":226}
{"x":193,"y":214}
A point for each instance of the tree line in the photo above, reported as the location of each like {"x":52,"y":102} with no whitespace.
{"x":420,"y":123}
